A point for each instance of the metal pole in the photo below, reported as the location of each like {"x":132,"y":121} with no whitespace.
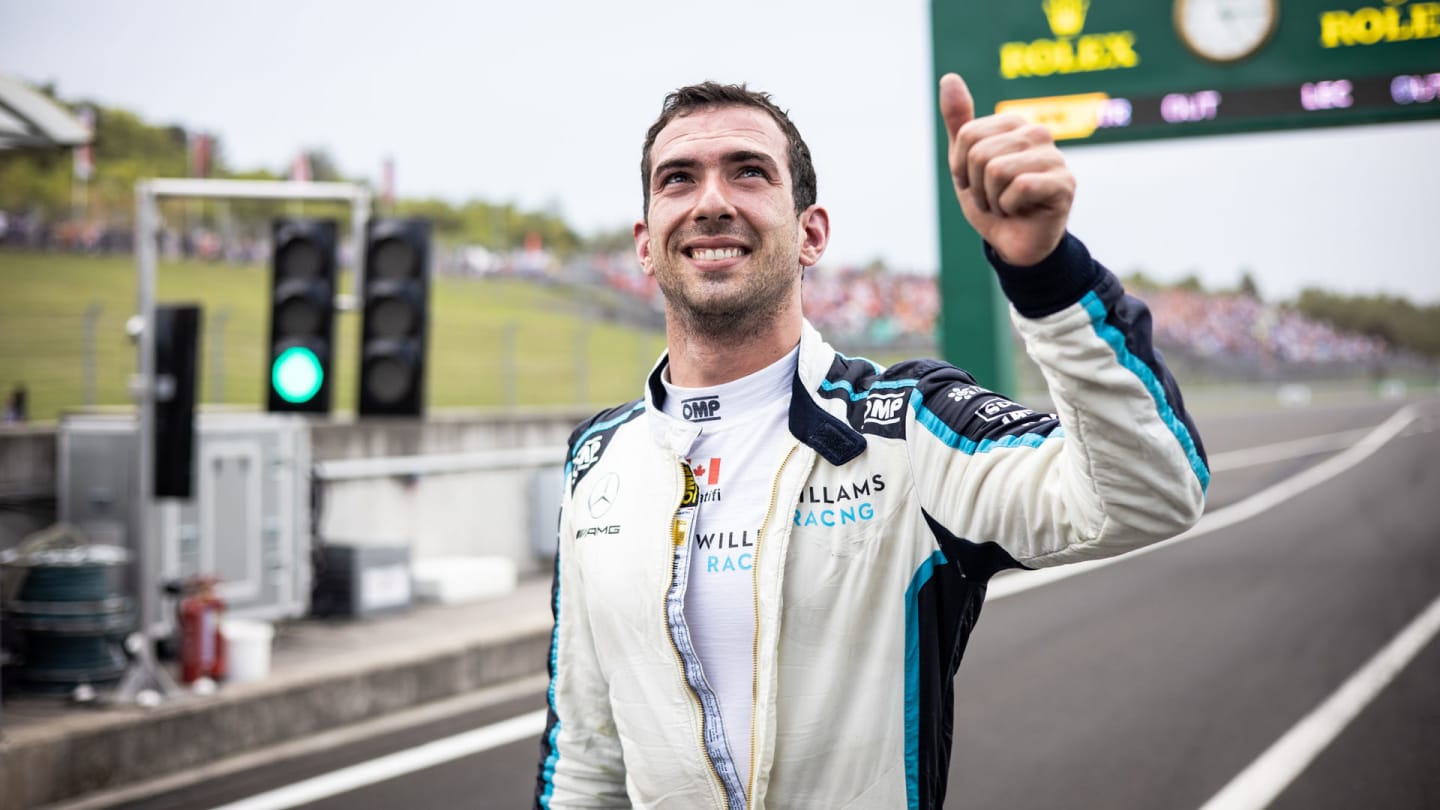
{"x":359,"y":218}
{"x":145,"y":681}
{"x":509,"y":368}
{"x":92,"y":314}
{"x":255,"y":189}
{"x":146,"y":218}
{"x":217,"y":355}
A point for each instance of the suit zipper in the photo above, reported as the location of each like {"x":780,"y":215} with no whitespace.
{"x":755,"y":587}
{"x":679,"y":533}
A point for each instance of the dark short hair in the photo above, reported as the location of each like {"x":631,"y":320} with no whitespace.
{"x":709,"y":95}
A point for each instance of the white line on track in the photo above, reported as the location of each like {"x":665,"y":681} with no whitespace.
{"x":1283,"y":451}
{"x":402,"y":762}
{"x":384,"y":725}
{"x":1257,"y":504}
{"x":1265,"y":778}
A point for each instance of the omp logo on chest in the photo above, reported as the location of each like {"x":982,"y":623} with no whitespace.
{"x":884,"y":409}
{"x":700,"y":409}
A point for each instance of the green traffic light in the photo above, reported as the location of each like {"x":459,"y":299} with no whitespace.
{"x":297,"y":375}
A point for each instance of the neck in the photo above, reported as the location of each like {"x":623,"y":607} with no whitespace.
{"x":699,"y":360}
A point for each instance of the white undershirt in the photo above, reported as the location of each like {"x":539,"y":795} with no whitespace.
{"x":743,"y":426}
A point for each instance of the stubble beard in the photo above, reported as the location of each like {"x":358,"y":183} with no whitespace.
{"x":722,"y":309}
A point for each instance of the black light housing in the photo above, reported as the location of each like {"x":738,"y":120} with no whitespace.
{"x":395,"y":313}
{"x":302,"y":315}
{"x":177,"y":370}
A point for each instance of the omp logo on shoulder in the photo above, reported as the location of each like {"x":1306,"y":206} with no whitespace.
{"x":701,"y":409}
{"x":884,"y":409}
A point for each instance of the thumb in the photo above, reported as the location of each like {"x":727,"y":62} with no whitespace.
{"x":957,"y":107}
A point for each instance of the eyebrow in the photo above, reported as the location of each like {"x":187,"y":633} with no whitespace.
{"x":740,"y":156}
{"x":747,"y":156}
{"x":672,"y":164}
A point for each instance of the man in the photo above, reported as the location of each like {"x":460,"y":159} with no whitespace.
{"x":769,"y":566}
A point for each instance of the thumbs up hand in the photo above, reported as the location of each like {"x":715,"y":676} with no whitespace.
{"x":1009,"y":176}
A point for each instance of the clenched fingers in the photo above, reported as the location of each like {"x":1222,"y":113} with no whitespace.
{"x":985,"y":140}
{"x":1024,"y":183}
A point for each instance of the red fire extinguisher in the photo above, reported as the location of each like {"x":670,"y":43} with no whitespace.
{"x":202,"y":649}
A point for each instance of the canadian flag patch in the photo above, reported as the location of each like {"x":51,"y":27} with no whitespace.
{"x":709,"y":471}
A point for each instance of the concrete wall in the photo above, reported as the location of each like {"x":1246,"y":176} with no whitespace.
{"x":460,"y":512}
{"x":453,"y":513}
{"x":443,"y":433}
{"x":27,"y":481}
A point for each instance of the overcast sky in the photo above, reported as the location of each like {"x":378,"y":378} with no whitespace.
{"x":545,"y":103}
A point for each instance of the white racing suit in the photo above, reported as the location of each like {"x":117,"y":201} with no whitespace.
{"x":898,"y":493}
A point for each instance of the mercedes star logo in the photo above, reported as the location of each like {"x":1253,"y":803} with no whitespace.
{"x":604,"y":495}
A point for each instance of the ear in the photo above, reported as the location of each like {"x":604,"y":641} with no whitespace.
{"x":642,"y":248}
{"x":814,"y":235}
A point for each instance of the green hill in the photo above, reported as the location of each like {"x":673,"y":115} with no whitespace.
{"x":494,"y":341}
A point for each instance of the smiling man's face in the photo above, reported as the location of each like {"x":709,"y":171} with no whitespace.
{"x":721,"y":236}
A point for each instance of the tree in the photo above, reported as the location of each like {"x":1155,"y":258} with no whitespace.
{"x":323,"y":168}
{"x":1190,"y":283}
{"x":1248,"y":287}
{"x":1397,"y":321}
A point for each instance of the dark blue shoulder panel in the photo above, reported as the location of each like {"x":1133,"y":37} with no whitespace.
{"x":589,"y":440}
{"x":945,"y":399}
{"x":972,"y":419}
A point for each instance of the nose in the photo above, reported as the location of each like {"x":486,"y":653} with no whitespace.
{"x":713,"y":202}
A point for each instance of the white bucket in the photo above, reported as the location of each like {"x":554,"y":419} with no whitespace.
{"x":247,"y":649}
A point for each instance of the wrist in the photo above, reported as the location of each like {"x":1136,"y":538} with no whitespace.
{"x":1049,"y":285}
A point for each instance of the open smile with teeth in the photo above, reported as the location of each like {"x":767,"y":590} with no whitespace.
{"x":715,"y":254}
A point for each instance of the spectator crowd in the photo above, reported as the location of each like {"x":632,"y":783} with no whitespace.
{"x":1241,"y":327}
{"x":875,"y":307}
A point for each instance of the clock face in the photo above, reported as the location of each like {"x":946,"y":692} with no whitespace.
{"x":1225,"y":30}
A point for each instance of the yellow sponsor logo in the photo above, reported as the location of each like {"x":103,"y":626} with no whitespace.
{"x":692,"y":490}
{"x":1398,"y":21}
{"x":1067,"y":117}
{"x":1069,"y":51}
{"x":1066,"y":17}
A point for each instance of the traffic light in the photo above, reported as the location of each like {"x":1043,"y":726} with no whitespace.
{"x":395,"y":316}
{"x":302,"y":315}
{"x":177,"y":355}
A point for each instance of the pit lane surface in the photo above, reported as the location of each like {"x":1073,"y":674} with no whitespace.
{"x":1149,"y":683}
